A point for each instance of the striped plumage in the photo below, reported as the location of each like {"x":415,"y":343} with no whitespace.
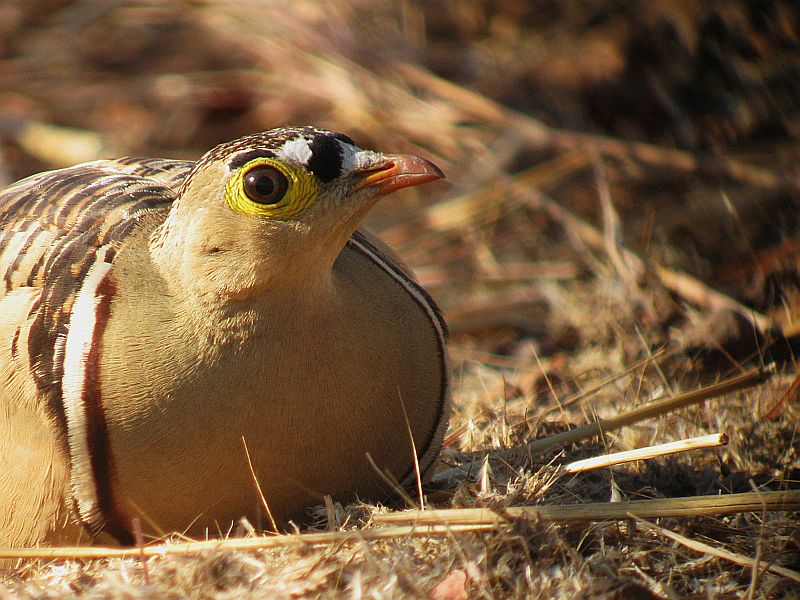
{"x":158,"y":315}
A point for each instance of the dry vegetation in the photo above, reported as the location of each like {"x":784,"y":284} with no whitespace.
{"x":619,"y":225}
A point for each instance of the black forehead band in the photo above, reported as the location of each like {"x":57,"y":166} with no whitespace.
{"x":245,"y":157}
{"x":326,"y":157}
{"x":344,"y":138}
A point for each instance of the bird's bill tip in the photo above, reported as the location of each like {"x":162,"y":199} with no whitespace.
{"x":398,"y":171}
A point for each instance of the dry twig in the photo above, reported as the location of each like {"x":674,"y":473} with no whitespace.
{"x":327,"y":538}
{"x":695,"y":506}
{"x":715,"y":440}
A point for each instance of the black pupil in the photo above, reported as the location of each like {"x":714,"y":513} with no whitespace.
{"x":265,"y":185}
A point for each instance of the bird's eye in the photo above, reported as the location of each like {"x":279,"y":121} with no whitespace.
{"x":270,"y":188}
{"x":265,"y":184}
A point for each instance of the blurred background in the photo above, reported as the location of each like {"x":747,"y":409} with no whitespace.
{"x":613,"y":167}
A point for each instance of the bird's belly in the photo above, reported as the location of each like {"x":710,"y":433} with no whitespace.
{"x":332,"y":417}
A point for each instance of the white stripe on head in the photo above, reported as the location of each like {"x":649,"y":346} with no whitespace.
{"x":296,"y":150}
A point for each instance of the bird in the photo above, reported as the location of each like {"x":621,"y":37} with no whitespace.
{"x":189,"y":343}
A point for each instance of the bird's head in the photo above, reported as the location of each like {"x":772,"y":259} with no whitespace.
{"x":276,"y":208}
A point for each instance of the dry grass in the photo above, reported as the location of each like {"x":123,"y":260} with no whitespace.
{"x":619,"y":225}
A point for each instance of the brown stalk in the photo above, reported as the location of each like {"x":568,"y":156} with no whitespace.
{"x":738,"y":559}
{"x":327,"y":538}
{"x":258,"y":488}
{"x":695,"y":506}
{"x":653,"y":409}
{"x":519,"y":454}
{"x":444,"y":523}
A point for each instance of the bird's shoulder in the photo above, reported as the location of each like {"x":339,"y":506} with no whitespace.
{"x":67,"y":197}
{"x":60,"y":231}
{"x":54,"y":220}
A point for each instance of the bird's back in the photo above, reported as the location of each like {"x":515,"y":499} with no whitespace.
{"x":49,"y":218}
{"x":53,"y":227}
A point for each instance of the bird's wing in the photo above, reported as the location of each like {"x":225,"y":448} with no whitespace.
{"x":54,"y":228}
{"x":367,"y":243}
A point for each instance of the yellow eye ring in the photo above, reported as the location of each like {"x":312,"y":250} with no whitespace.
{"x":266,"y":187}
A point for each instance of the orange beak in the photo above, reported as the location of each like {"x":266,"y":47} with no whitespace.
{"x":399,"y":171}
